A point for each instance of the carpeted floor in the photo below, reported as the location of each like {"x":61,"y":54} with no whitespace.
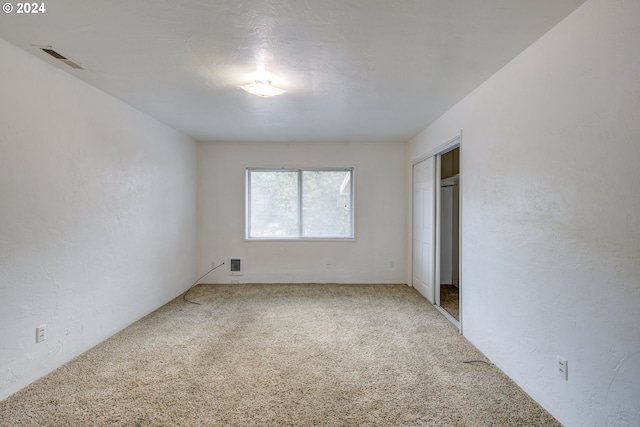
{"x":450,"y":300}
{"x":281,"y":355}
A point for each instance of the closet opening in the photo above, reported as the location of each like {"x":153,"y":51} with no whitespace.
{"x":448,"y":230}
{"x":436,"y":234}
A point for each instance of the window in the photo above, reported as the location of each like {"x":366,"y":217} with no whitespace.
{"x":299,"y":204}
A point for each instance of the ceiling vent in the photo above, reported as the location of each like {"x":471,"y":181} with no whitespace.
{"x":60,"y":57}
{"x":235,"y":267}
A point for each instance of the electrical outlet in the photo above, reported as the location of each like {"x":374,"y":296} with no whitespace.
{"x":392,"y":264}
{"x":41,"y":333}
{"x":213,"y":264}
{"x":328,"y":266}
{"x":563,"y":368}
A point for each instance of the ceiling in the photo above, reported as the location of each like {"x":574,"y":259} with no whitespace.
{"x":355,"y":70}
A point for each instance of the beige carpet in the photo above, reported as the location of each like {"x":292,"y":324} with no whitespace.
{"x":450,"y":300}
{"x":281,"y":355}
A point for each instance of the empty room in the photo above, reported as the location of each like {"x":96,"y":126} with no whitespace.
{"x":415,"y":213}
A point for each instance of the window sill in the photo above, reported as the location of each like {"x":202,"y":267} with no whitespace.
{"x":301,"y":239}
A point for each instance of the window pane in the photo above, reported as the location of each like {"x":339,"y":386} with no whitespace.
{"x":326,"y":204}
{"x":274,"y":204}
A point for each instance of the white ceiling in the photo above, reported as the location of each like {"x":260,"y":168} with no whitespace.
{"x":355,"y":70}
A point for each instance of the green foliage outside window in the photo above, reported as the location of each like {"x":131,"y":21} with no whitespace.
{"x":293,"y":204}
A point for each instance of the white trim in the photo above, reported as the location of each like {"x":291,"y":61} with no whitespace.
{"x":460,"y":290}
{"x":437,"y":193}
{"x":452,"y":144}
{"x":440,"y":149}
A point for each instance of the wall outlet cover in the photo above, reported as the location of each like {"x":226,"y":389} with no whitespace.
{"x":41,"y":333}
{"x":563,"y":368}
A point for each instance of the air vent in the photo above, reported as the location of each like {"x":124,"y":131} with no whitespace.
{"x":53,"y":53}
{"x":61,"y":58}
{"x":235,"y":266}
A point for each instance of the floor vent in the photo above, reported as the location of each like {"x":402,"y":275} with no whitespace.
{"x":235,"y":266}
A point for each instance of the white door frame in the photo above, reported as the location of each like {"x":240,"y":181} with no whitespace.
{"x":435,"y":298}
{"x":437,"y":230}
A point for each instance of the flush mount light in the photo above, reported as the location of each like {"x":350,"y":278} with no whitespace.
{"x":262,"y":88}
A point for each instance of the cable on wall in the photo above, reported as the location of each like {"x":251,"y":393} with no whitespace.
{"x":184,"y":296}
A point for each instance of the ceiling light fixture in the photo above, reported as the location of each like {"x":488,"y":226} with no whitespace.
{"x":262,"y":88}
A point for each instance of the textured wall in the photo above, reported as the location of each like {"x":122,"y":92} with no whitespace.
{"x":550,"y":224}
{"x":380,"y":219}
{"x":97,"y":217}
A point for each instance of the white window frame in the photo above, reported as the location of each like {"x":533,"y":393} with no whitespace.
{"x":300,"y":237}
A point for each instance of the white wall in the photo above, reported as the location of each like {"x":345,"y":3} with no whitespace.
{"x":550,"y":214}
{"x":380,"y":217}
{"x":97,"y":216}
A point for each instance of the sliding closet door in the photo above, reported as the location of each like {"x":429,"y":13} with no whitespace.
{"x":423,"y":227}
